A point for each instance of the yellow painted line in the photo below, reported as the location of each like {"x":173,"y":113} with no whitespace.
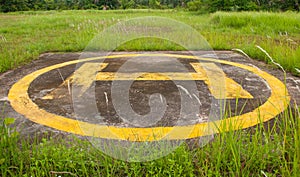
{"x":139,"y":76}
{"x":85,"y":75}
{"x":276,"y":103}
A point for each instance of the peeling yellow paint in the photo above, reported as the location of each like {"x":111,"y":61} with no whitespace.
{"x":276,"y":103}
{"x":48,"y":97}
{"x":220,"y":85}
{"x":85,"y":75}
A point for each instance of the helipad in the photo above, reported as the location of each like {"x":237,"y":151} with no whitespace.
{"x":45,"y":96}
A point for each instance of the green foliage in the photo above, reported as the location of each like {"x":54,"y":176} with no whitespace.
{"x":196,"y":5}
{"x":243,"y":5}
{"x":154,"y":4}
{"x":192,"y":5}
{"x":25,"y":5}
{"x":127,"y":4}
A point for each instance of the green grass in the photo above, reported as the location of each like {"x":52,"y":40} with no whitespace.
{"x":259,"y":151}
{"x":25,"y":35}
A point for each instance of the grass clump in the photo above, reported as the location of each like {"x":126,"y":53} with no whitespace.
{"x":261,"y":23}
{"x":270,"y":149}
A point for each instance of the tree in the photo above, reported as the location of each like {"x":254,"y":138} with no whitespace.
{"x":193,"y":5}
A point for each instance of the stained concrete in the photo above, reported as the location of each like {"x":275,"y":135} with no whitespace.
{"x":62,"y":101}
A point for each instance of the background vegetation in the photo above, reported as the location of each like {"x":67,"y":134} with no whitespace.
{"x":25,"y":35}
{"x":193,"y":5}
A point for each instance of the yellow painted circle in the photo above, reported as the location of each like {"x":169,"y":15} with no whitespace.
{"x":276,"y":103}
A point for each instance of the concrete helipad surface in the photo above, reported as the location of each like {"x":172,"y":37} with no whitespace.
{"x":62,"y":94}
